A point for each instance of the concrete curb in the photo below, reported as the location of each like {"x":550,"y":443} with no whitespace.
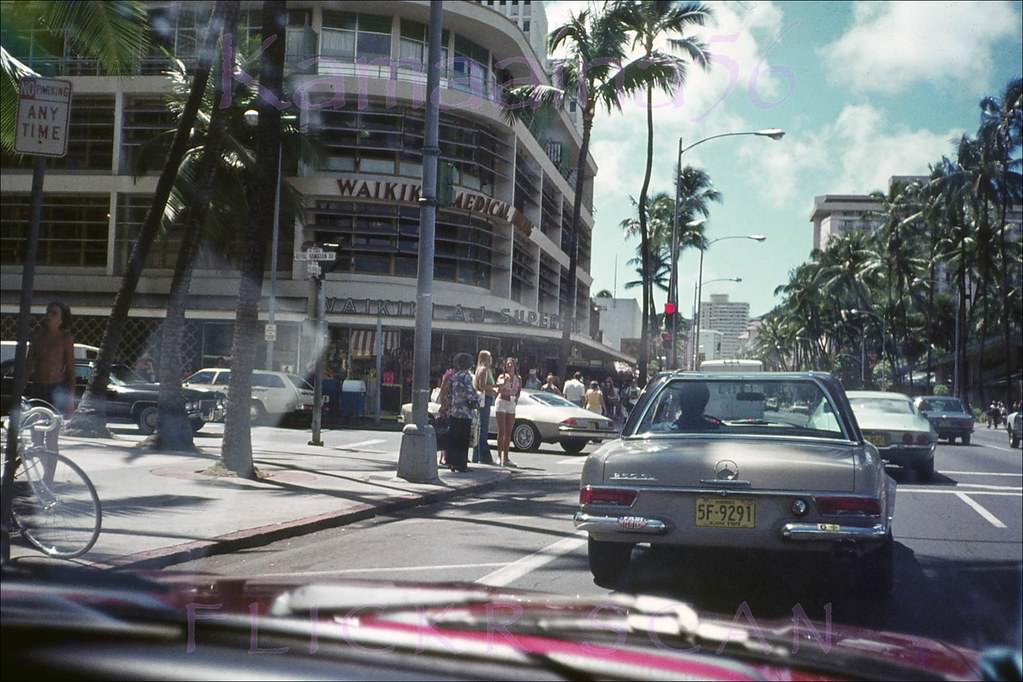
{"x":264,"y":535}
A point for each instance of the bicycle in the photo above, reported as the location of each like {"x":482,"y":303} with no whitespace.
{"x":54,"y":505}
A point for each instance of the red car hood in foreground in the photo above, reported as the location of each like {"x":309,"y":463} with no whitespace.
{"x":445,"y":630}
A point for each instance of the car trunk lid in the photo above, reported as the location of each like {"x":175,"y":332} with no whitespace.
{"x":711,"y":463}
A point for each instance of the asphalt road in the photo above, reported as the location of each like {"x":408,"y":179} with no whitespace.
{"x":959,"y":553}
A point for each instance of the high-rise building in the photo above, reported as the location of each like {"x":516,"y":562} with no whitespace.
{"x":728,"y":317}
{"x":835,"y":214}
{"x":530,"y":17}
{"x":620,"y":318}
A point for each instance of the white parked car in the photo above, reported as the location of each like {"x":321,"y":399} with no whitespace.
{"x":1014,"y":424}
{"x":544,"y":418}
{"x":275,"y":395}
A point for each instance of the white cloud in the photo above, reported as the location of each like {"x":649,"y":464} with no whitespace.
{"x":857,"y":153}
{"x":890,"y":47}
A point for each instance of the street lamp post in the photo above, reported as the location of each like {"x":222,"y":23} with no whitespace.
{"x":774,"y":134}
{"x":699,"y":296}
{"x":863,"y":344}
{"x":252,"y":119}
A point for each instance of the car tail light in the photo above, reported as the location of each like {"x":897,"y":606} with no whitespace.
{"x":907,"y":438}
{"x":615,"y":496}
{"x":922,"y":439}
{"x":965,"y":423}
{"x":848,"y":506}
{"x":571,"y":421}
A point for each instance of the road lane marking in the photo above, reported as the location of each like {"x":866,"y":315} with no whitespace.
{"x":352,"y":446}
{"x":953,"y":491}
{"x":517,"y":569}
{"x":978,"y":473}
{"x":990,"y":487}
{"x":988,"y":516}
{"x":380,"y":569}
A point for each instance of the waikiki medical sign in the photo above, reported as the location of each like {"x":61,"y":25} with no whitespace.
{"x":409,"y":193}
{"x":44,"y":108}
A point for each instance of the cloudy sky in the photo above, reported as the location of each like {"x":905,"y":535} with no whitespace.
{"x":864,"y":90}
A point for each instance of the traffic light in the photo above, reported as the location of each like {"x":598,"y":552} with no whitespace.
{"x":445,"y":184}
{"x":666,"y":340}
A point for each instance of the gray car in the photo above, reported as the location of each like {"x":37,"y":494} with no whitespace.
{"x":948,"y":416}
{"x":704,"y":463}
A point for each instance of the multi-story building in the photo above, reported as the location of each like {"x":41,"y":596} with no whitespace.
{"x":501,"y":264}
{"x":728,"y":317}
{"x":835,"y":214}
{"x":620,"y":318}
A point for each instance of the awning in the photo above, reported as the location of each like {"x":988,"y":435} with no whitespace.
{"x":364,"y":342}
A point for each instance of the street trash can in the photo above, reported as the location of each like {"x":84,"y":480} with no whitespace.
{"x":353,"y":398}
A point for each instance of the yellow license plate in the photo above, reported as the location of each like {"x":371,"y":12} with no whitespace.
{"x":877,"y":439}
{"x":715,"y":512}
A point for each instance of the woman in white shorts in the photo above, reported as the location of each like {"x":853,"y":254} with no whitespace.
{"x":509,"y":386}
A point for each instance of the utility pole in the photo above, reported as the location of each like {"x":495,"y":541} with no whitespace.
{"x":417,"y":461}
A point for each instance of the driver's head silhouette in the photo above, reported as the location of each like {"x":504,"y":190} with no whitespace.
{"x":693,"y":398}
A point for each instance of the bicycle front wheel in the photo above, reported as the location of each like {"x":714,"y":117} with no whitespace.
{"x":55,"y":505}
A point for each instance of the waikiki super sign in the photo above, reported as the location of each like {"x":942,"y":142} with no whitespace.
{"x":409,"y":193}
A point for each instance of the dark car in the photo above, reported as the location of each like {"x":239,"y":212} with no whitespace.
{"x":130,"y":397}
{"x":948,"y":416}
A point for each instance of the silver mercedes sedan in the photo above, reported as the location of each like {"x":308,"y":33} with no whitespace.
{"x":704,"y":462}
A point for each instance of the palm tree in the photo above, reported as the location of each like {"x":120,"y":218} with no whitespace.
{"x":649,"y":21}
{"x":237,"y":446}
{"x":175,"y":432}
{"x":1001,"y":133}
{"x":898,"y":232}
{"x":114,"y":33}
{"x":89,"y":420}
{"x":593,"y":72}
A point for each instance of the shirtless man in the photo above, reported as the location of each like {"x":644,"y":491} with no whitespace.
{"x":51,"y":364}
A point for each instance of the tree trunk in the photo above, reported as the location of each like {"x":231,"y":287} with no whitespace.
{"x":175,"y":430}
{"x":237,"y":447}
{"x":90,"y":417}
{"x":568,"y":316}
{"x":644,"y":242}
{"x":1010,"y":355}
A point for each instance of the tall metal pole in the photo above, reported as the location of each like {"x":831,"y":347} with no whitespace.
{"x":321,"y":323}
{"x":699,"y":308}
{"x":28,"y":271}
{"x":417,"y":461}
{"x":863,"y":353}
{"x":273,"y":263}
{"x":673,"y":284}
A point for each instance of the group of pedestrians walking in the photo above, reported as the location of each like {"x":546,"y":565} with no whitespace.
{"x":996,"y":413}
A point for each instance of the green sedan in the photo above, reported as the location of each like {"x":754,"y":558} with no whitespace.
{"x":901,"y":434}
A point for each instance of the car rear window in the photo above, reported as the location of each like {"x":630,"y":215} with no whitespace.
{"x":770,"y":407}
{"x":299,"y":382}
{"x":945,"y":404}
{"x":883,"y":405}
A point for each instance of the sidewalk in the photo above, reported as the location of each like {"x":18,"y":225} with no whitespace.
{"x":164,"y":508}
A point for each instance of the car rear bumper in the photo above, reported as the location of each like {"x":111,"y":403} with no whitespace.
{"x":588,"y":434}
{"x":833,"y":532}
{"x":789,"y":534}
{"x":624,"y":524}
{"x":907,"y":456}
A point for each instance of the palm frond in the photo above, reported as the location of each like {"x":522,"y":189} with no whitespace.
{"x":115,"y":32}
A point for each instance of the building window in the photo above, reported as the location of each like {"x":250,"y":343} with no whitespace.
{"x":144,"y":119}
{"x":525,"y":26}
{"x":360,"y":38}
{"x":383,"y":239}
{"x":73,"y":230}
{"x":472,"y":73}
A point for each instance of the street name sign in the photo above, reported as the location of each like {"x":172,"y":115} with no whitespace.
{"x":316,"y":254}
{"x":44,"y":107}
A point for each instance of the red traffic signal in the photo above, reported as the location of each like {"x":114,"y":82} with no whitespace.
{"x":669,"y":308}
